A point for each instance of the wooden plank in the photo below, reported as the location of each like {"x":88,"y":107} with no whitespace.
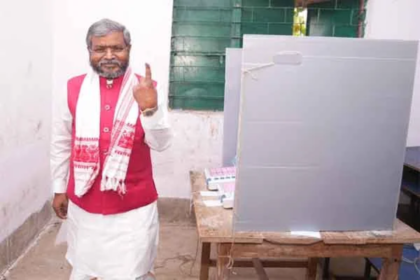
{"x":214,"y":224}
{"x":391,"y":266}
{"x":319,"y":250}
{"x":262,"y":275}
{"x":284,"y":238}
{"x":401,"y":234}
{"x":223,"y":257}
{"x":269,"y":263}
{"x":205,"y":261}
{"x":389,"y":271}
{"x":311,"y":272}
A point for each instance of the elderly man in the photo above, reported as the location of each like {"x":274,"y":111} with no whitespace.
{"x":104,"y":124}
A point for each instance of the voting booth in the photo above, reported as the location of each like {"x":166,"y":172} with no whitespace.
{"x":318,"y":129}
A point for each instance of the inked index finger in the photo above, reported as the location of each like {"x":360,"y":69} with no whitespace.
{"x":148,"y":73}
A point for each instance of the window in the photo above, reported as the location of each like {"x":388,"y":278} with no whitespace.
{"x":202,"y":30}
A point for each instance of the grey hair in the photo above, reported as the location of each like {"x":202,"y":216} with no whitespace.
{"x":105,"y":27}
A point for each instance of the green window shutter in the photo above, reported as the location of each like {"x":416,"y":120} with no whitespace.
{"x":203,"y":29}
{"x":201,"y":32}
{"x":335,"y":18}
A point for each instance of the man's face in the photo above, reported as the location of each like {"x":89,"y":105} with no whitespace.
{"x":109,"y":55}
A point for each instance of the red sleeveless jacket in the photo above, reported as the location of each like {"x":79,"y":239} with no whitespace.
{"x":141,"y":189}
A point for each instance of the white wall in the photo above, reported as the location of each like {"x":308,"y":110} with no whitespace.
{"x":25,"y":102}
{"x":398,"y":19}
{"x":197,"y":144}
{"x":198,"y":136}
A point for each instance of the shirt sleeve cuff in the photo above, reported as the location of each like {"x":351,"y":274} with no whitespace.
{"x":59,"y":186}
{"x":156,"y":121}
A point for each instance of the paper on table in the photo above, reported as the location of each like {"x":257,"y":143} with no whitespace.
{"x":212,"y":203}
{"x":209,"y":194}
{"x":314,"y":234}
{"x":382,"y":232}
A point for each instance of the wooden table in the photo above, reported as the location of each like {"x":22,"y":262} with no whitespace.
{"x":214,"y":225}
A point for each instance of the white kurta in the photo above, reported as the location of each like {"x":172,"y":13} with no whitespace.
{"x":110,"y":247}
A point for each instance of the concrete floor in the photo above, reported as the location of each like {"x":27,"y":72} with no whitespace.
{"x":177,"y":252}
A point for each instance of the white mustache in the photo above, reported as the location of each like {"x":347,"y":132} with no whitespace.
{"x":117,"y":63}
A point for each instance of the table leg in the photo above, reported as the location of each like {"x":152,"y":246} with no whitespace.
{"x":326,"y":272}
{"x":223,"y":251}
{"x":368,"y":269}
{"x":390,"y":270}
{"x":205,"y":261}
{"x":391,"y":266}
{"x":262,"y":275}
{"x":312,"y":269}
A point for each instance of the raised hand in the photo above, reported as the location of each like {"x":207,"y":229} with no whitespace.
{"x":145,"y":93}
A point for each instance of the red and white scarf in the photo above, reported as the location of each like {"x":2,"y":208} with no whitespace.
{"x":86,"y":145}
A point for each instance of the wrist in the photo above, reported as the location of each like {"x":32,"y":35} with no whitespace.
{"x":60,"y":194}
{"x":149,"y":111}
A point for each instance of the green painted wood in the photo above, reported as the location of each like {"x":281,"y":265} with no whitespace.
{"x":201,"y":32}
{"x":203,"y":29}
{"x":338,"y":18}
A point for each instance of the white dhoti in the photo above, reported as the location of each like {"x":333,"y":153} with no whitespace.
{"x":112,"y":247}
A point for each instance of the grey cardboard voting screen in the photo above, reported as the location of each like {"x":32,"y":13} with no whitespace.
{"x":231,"y":108}
{"x":322,"y":132}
